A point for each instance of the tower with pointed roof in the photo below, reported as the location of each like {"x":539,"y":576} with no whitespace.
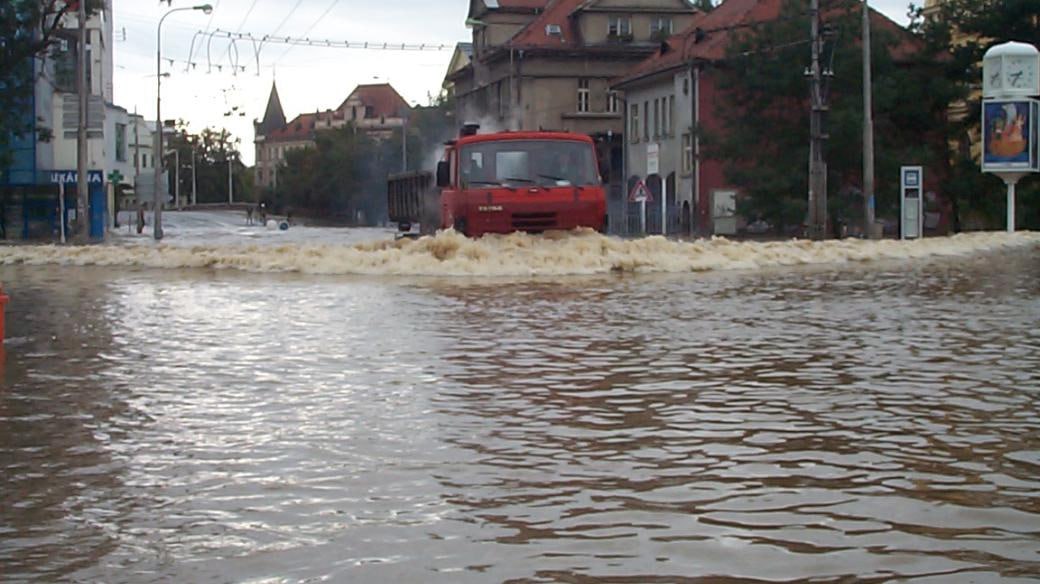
{"x":274,"y":119}
{"x":378,"y":110}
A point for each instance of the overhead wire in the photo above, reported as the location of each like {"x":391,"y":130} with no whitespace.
{"x":309,"y":30}
{"x":209,"y":23}
{"x":241,"y":24}
{"x":278,"y":29}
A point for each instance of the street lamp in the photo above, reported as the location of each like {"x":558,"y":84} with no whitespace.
{"x":207,"y":9}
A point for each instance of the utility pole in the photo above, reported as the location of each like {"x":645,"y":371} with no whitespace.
{"x":868,"y":129}
{"x":817,"y":164}
{"x":177,"y":177}
{"x":194,"y":180}
{"x":230,"y":183}
{"x":404,"y":144}
{"x":137,"y":164}
{"x":82,"y":180}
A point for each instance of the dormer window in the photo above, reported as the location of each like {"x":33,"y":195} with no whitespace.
{"x":553,"y":30}
{"x":619,"y":28}
{"x":660,"y":27}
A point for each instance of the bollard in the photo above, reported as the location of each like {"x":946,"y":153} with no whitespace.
{"x":3,"y":308}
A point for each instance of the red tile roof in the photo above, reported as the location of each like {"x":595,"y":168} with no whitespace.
{"x":478,"y":6}
{"x":301,"y":128}
{"x":710,"y":34}
{"x":557,"y":13}
{"x":523,"y":4}
{"x":382,"y":98}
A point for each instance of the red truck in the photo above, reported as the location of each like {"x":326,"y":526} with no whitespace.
{"x":504,"y":182}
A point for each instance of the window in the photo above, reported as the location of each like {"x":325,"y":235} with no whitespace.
{"x":687,"y":149}
{"x":583,"y":96}
{"x":64,"y":58}
{"x":633,"y":122}
{"x":121,"y":142}
{"x":660,"y":27}
{"x":646,"y":121}
{"x":613,"y":102}
{"x":544,"y":163}
{"x":669,"y":120}
{"x":657,"y":118}
{"x":501,"y":99}
{"x":619,"y":28}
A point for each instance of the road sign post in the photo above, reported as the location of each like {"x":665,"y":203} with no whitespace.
{"x":640,"y":194}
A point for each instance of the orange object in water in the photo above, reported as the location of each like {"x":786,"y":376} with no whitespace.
{"x":3,"y":307}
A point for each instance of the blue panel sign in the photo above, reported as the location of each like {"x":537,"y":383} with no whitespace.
{"x":94,"y":177}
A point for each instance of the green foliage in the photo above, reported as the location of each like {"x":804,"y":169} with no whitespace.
{"x":345,"y":173}
{"x":963,"y":30}
{"x":764,"y":135}
{"x":28,"y":29}
{"x":213,"y":148}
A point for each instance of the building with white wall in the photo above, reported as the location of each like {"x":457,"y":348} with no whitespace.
{"x":50,"y":150}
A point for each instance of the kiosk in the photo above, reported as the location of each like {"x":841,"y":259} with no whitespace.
{"x":1011,"y":116}
{"x":911,"y":203}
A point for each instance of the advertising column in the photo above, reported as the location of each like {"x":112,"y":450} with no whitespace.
{"x":1011,"y":116}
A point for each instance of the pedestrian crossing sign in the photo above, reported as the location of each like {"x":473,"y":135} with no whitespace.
{"x":640,"y":194}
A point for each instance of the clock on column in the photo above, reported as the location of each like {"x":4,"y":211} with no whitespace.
{"x":1011,"y":70}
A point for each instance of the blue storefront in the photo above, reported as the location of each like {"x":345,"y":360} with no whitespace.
{"x":29,"y":201}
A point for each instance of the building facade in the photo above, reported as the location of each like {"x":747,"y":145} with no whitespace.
{"x":541,"y":64}
{"x":377,"y":109}
{"x":47,"y":154}
{"x":674,"y":93}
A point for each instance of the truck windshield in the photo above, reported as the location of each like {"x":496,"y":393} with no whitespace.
{"x":546,"y":163}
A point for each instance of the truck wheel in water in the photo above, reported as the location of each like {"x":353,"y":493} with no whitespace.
{"x":460,"y":226}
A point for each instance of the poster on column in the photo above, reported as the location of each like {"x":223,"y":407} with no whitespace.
{"x":1009,"y":136}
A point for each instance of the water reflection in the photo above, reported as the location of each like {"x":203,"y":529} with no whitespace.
{"x":61,"y":486}
{"x":863,"y":424}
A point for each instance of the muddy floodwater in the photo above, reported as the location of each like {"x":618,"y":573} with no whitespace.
{"x":243,"y":405}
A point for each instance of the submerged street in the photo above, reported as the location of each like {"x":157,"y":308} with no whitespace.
{"x":249,"y":405}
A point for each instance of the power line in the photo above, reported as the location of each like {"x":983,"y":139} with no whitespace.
{"x":309,"y":29}
{"x":278,"y":28}
{"x":239,"y":29}
{"x":326,"y":43}
{"x":246,"y":17}
{"x":212,"y":14}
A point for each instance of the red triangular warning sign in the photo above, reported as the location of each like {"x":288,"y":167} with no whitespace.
{"x":640,"y":194}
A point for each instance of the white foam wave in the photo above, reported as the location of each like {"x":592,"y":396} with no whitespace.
{"x":579,"y":253}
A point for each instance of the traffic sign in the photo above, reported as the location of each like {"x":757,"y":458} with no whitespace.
{"x":640,"y":194}
{"x":653,"y":158}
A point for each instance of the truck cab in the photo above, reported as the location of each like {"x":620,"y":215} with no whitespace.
{"x":520,"y":181}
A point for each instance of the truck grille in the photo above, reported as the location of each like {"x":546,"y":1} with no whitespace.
{"x":534,"y":221}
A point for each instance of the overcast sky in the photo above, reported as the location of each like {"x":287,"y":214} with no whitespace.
{"x":308,"y":79}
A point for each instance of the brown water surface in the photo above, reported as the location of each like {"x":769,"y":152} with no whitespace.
{"x":870,"y":423}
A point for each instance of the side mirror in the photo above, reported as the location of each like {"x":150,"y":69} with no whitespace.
{"x":443,"y":174}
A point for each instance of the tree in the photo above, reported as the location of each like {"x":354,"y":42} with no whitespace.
{"x":345,"y":174}
{"x":29,"y":29}
{"x":765,"y":114}
{"x":963,"y":30}
{"x":213,"y":148}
